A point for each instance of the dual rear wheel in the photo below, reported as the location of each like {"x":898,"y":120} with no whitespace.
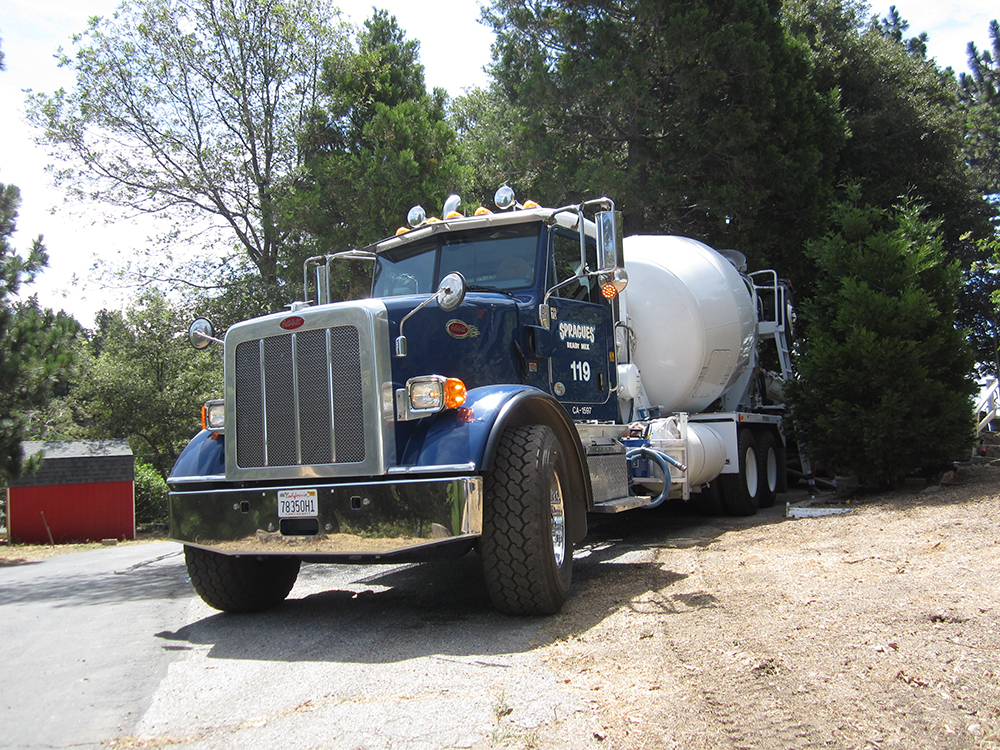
{"x":758,"y":481}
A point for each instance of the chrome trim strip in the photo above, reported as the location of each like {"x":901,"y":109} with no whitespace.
{"x":329,"y":391}
{"x":198,"y":480}
{"x":440,"y":468}
{"x":295,"y":399}
{"x":263,"y":397}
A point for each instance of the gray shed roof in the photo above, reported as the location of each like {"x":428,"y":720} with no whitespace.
{"x":77,"y":448}
{"x":79,"y":462}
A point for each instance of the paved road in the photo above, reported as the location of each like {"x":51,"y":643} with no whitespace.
{"x":111,"y":648}
{"x":80,"y":658}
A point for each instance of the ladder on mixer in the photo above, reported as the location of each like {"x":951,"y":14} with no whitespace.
{"x":775,"y":323}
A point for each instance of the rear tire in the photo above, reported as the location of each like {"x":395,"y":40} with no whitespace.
{"x":741,"y":492}
{"x":770,"y":466}
{"x":240,"y":583}
{"x":525,"y":546}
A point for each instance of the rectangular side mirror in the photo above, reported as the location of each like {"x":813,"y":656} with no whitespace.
{"x":609,"y":239}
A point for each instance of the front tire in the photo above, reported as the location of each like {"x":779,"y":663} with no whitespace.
{"x":240,"y":583}
{"x":741,"y":492}
{"x":525,"y":546}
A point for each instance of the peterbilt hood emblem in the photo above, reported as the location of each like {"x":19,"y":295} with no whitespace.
{"x":459,"y":329}
{"x":290,"y":324}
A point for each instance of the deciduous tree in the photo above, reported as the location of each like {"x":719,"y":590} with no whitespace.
{"x":148,"y":384}
{"x":192,"y":109}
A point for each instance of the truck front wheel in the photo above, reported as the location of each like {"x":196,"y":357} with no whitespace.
{"x":240,"y":583}
{"x":741,"y":492}
{"x":526,"y":552}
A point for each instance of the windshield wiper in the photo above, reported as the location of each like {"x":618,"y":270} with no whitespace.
{"x":477,"y":288}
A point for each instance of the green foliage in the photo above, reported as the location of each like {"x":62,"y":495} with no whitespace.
{"x":377,"y":143}
{"x":699,"y":118}
{"x":979,"y":92}
{"x":885,"y":376}
{"x":979,"y":307}
{"x":489,"y":129}
{"x":36,"y":344}
{"x":140,"y":380}
{"x":150,"y":495}
{"x":192,"y":109}
{"x":902,"y":113}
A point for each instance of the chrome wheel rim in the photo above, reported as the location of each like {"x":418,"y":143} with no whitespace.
{"x":772,"y":470}
{"x":750,"y":470}
{"x":557,"y":519}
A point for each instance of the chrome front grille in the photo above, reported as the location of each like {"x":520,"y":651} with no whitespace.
{"x":300,"y":399}
{"x":309,"y":394}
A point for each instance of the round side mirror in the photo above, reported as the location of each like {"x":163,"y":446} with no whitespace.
{"x":504,"y":198}
{"x":451,"y":291}
{"x":201,"y":333}
{"x":416,"y":216}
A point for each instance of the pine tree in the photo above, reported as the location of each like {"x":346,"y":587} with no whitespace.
{"x":698,"y":118}
{"x":979,"y":93}
{"x":377,"y":144}
{"x":36,"y":344}
{"x":885,"y":377}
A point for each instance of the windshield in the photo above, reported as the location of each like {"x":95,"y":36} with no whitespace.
{"x":502,"y":257}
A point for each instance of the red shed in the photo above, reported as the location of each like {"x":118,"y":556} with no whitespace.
{"x":84,"y":490}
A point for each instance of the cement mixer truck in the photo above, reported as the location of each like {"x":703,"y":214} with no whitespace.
{"x":509,"y":375}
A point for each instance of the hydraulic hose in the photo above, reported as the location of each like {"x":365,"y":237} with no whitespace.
{"x":664,"y":461}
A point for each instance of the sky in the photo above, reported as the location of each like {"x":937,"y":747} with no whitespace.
{"x":454,"y":48}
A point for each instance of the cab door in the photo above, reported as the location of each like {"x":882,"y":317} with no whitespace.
{"x":582,"y":372}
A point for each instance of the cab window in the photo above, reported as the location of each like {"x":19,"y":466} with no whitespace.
{"x":502,"y":258}
{"x":566,"y":264}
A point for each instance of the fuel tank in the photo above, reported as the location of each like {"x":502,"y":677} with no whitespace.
{"x":693,"y":319}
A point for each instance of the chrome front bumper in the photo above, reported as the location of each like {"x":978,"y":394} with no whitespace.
{"x":353,"y":523}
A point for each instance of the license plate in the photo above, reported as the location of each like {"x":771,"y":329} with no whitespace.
{"x":297,"y":504}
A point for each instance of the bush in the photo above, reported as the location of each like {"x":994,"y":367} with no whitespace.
{"x":150,"y":495}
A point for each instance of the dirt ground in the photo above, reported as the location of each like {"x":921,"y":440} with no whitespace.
{"x":16,"y":554}
{"x":878,"y":628}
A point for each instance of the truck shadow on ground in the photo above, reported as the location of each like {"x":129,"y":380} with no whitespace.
{"x":391,"y":614}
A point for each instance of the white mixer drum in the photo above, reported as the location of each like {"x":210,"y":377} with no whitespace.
{"x":693,"y":320}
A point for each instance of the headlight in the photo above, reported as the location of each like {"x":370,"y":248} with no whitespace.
{"x":429,"y":394}
{"x":213,"y":415}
